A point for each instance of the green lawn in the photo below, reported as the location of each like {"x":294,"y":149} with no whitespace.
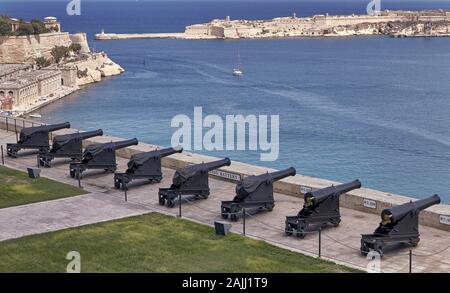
{"x":153,"y":243}
{"x":17,"y":189}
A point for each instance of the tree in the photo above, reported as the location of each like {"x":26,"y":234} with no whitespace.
{"x":42,"y":62}
{"x":5,"y":27}
{"x":75,"y":47}
{"x":59,"y":53}
{"x":39,"y":27}
{"x":25,"y":29}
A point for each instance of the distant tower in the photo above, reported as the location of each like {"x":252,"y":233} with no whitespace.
{"x":103,"y":31}
{"x":52,"y":23}
{"x":294,"y":15}
{"x":227,"y":18}
{"x":14,"y":24}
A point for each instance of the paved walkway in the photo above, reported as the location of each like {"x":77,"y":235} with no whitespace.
{"x":105,"y":203}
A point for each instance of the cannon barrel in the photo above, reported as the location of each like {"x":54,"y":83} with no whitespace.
{"x":54,"y":127}
{"x":278,"y":175}
{"x":124,"y":143}
{"x":217,"y":164}
{"x":89,"y":134}
{"x":170,"y":151}
{"x":396,"y":213}
{"x":321,"y":194}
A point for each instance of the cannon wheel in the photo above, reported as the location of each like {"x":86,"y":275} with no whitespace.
{"x":233,"y":217}
{"x":224,"y":213}
{"x":414,"y":241}
{"x":170,"y":203}
{"x":117,"y":184}
{"x":162,"y":201}
{"x":43,"y":162}
{"x":288,"y":231}
{"x":300,"y":233}
{"x":72,"y":173}
{"x":335,"y":222}
{"x":12,"y":152}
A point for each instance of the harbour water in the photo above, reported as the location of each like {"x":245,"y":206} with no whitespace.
{"x":373,"y":108}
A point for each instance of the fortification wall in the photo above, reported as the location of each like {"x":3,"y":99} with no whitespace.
{"x":24,"y":49}
{"x":197,"y":30}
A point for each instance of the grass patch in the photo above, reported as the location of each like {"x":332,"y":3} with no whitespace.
{"x":153,"y":243}
{"x":17,"y":189}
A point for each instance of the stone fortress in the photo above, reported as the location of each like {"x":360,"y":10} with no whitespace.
{"x":396,"y":23}
{"x":24,"y":88}
{"x":404,"y":23}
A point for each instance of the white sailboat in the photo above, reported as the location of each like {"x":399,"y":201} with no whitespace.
{"x":36,"y":116}
{"x":237,"y":70}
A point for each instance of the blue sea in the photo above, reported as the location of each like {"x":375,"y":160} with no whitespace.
{"x":373,"y":108}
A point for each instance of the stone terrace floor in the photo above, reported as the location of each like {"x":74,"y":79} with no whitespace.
{"x":105,"y":203}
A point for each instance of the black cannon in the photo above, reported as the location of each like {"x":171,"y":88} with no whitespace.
{"x":144,"y":166}
{"x":66,"y":146}
{"x":399,"y":225}
{"x":34,"y":138}
{"x":254,"y":192}
{"x":192,"y":180}
{"x":100,"y":156}
{"x":320,"y":209}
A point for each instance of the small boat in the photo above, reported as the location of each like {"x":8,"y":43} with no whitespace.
{"x":237,"y":71}
{"x":36,"y":116}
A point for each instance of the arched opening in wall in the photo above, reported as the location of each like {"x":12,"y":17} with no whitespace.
{"x":2,"y":94}
{"x":11,"y":93}
{"x":62,"y":81}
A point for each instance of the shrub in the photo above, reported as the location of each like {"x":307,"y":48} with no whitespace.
{"x":5,"y":26}
{"x":42,"y":62}
{"x":39,"y":27}
{"x":59,"y":53}
{"x":25,"y":29}
{"x":75,"y":47}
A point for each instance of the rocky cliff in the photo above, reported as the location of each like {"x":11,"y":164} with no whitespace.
{"x":95,"y":66}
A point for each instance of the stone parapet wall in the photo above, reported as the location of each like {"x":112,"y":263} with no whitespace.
{"x":364,"y":199}
{"x":22,"y":49}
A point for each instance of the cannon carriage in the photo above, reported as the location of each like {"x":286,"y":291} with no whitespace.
{"x":100,"y":156}
{"x":399,"y":225}
{"x":254,"y":192}
{"x":144,"y":166}
{"x":36,"y":138}
{"x":66,"y":146}
{"x":320,"y":209}
{"x":192,"y":180}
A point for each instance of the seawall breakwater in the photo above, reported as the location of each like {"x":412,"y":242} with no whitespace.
{"x":425,"y":23}
{"x":364,"y":199}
